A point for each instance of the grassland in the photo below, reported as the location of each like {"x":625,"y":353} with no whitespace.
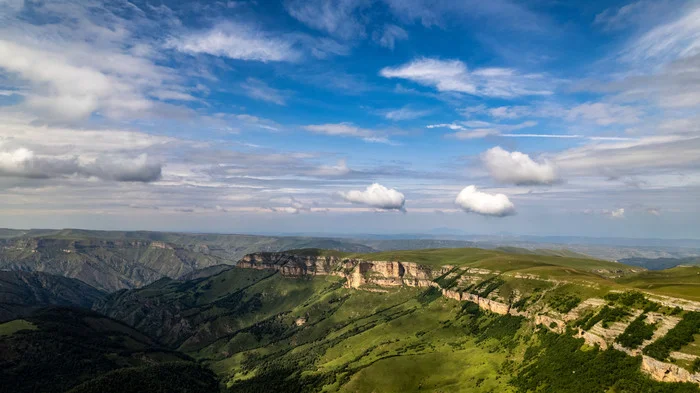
{"x":12,"y":327}
{"x":681,"y":282}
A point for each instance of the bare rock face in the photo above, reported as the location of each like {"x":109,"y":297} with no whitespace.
{"x":667,"y":372}
{"x":357,"y":272}
{"x":553,"y":324}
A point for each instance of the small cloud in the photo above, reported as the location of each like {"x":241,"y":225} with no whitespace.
{"x":389,"y":35}
{"x":654,"y":211}
{"x":518,"y":168}
{"x":259,"y":90}
{"x":617,"y":213}
{"x":348,"y":130}
{"x":453,"y":76}
{"x":405,"y":113}
{"x":236,"y":41}
{"x":377,"y":196}
{"x":470,"y":199}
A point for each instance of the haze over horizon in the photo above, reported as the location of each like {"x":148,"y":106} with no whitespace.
{"x":352,"y":116}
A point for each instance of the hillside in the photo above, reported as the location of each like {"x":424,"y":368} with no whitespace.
{"x":437,"y":320}
{"x":112,"y":260}
{"x":23,"y":292}
{"x":65,"y":349}
{"x":661,"y":263}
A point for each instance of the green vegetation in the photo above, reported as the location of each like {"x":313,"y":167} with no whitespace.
{"x":9,"y":328}
{"x":680,"y":282}
{"x":636,"y":333}
{"x":607,"y":315}
{"x":172,"y":377}
{"x":560,"y":366}
{"x":676,"y":338}
{"x":633,"y":299}
{"x":69,"y":346}
{"x":491,"y":259}
{"x":563,"y":303}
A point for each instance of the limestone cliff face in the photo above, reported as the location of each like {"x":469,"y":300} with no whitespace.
{"x":357,"y":272}
{"x":667,"y":372}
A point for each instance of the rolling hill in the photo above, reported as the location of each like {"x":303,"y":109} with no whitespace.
{"x":67,"y":349}
{"x":23,"y":292}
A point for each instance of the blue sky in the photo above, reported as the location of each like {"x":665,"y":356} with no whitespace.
{"x":352,"y":116}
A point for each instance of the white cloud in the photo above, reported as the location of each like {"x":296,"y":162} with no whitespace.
{"x":605,"y":114}
{"x":653,"y":211}
{"x":480,"y":129}
{"x":679,"y":38}
{"x":518,"y":168}
{"x":377,"y":196}
{"x":85,"y":60}
{"x":474,"y":201}
{"x":405,"y":113}
{"x":336,"y":17}
{"x":347,"y":130}
{"x":23,"y":162}
{"x":389,"y":35}
{"x":453,"y":76}
{"x":237,"y":41}
{"x":617,"y":213}
{"x":259,"y":90}
{"x":639,"y":13}
{"x":340,"y":169}
{"x":641,"y":156}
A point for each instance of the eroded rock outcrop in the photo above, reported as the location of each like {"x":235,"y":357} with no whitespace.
{"x":667,"y":372}
{"x":357,"y":272}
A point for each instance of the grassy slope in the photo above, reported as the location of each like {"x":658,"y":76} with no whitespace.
{"x":12,"y":327}
{"x":683,"y":282}
{"x":476,"y":257}
{"x":258,"y":330}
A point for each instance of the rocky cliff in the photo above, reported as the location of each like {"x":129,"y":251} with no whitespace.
{"x":358,"y":273}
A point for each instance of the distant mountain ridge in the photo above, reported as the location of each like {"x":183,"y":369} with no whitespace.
{"x":23,"y":292}
{"x":113,"y":260}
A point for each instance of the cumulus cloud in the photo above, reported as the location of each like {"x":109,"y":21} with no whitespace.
{"x":518,"y":168}
{"x":25,"y":163}
{"x":470,"y":199}
{"x":138,"y":169}
{"x":377,"y":196}
{"x":453,"y":76}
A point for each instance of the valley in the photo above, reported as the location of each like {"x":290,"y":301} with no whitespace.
{"x":457,"y":320}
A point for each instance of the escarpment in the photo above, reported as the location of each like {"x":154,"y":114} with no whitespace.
{"x":358,"y":272}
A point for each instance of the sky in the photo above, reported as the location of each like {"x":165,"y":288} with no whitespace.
{"x":533,"y":117}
